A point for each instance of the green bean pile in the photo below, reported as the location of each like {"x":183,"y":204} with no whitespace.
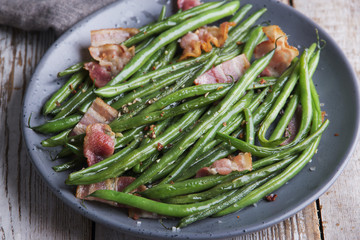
{"x":192,"y":126}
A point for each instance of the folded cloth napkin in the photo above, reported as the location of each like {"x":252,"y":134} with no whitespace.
{"x":45,"y":14}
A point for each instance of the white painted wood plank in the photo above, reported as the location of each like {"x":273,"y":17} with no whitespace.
{"x":28,"y":208}
{"x":340,"y":205}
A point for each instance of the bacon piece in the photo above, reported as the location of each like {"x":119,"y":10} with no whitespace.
{"x":293,"y":127}
{"x":224,"y":166}
{"x":99,"y":143}
{"x":187,"y":4}
{"x":116,"y":184}
{"x":99,"y":112}
{"x":284,"y":53}
{"x":111,"y":36}
{"x":202,"y":38}
{"x":112,"y":59}
{"x":225,"y":72}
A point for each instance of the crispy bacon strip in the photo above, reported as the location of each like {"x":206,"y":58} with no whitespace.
{"x":99,"y":112}
{"x":99,"y":143}
{"x":187,"y":4}
{"x":203,"y":38}
{"x":111,"y":36}
{"x":112,"y":59}
{"x":224,"y":166}
{"x":225,"y":72}
{"x":284,"y":53}
{"x":116,"y":184}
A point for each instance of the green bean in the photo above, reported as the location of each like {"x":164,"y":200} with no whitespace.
{"x":64,"y":92}
{"x":236,"y":31}
{"x":195,"y":151}
{"x":149,"y":64}
{"x":77,"y":150}
{"x":58,"y":125}
{"x":87,"y":103}
{"x":182,"y":94}
{"x":71,"y":70}
{"x":139,"y":154}
{"x":175,"y":19}
{"x":250,"y":129}
{"x":168,"y":55}
{"x":224,"y":149}
{"x":79,"y":98}
{"x":155,"y":206}
{"x":263,"y":82}
{"x":74,"y":163}
{"x":128,"y":136}
{"x":146,"y":42}
{"x":230,"y":184}
{"x":255,"y":36}
{"x":239,"y":15}
{"x":152,"y":117}
{"x":171,"y":35}
{"x":277,"y":106}
{"x":286,"y":118}
{"x":154,"y":86}
{"x":233,"y":198}
{"x":265,"y":151}
{"x":283,"y":177}
{"x":65,"y":152}
{"x":57,"y":140}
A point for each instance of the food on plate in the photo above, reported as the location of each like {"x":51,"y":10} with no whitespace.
{"x":173,"y":119}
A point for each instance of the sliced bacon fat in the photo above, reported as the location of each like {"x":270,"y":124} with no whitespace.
{"x":224,"y":166}
{"x":116,"y":184}
{"x":98,"y":112}
{"x":112,"y":59}
{"x":111,"y":36}
{"x":284,"y":53}
{"x":202,"y":38}
{"x":99,"y":143}
{"x":225,"y":72}
{"x":187,"y":4}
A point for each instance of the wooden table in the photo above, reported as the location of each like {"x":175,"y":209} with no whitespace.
{"x":29,"y":210}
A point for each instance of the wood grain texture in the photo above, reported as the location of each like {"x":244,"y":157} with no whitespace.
{"x":29,"y":210}
{"x":340,"y":205}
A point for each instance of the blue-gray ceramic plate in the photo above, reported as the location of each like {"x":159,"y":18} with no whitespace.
{"x":334,"y":79}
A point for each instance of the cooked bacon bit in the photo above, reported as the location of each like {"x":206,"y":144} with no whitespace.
{"x":284,"y":53}
{"x":323,"y":115}
{"x":71,"y":87}
{"x":116,"y":184}
{"x":99,"y":143}
{"x":224,"y":166}
{"x":162,"y":114}
{"x":136,"y":213}
{"x":111,"y":36}
{"x":187,"y":4}
{"x":146,"y":128}
{"x":219,"y":88}
{"x":263,"y":81}
{"x":226,"y":72}
{"x":271,"y":197}
{"x":180,"y":130}
{"x":112,"y":59}
{"x":159,"y":147}
{"x":241,"y":135}
{"x":202,"y":38}
{"x":154,"y":68}
{"x":238,"y":216}
{"x":99,"y":112}
{"x":336,"y":134}
{"x":57,"y":104}
{"x":293,"y":127}
{"x":152,"y":127}
{"x":238,"y":42}
{"x":224,"y":124}
{"x":171,"y":182}
{"x":152,"y":135}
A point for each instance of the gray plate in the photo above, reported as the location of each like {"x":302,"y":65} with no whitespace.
{"x":335,"y":81}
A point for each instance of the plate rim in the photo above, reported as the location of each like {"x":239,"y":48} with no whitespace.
{"x":294,"y":210}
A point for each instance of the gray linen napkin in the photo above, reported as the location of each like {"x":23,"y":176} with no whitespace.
{"x":45,"y":14}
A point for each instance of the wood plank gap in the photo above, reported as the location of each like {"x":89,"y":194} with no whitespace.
{"x":321,"y":228}
{"x":93,"y":229}
{"x":291,"y":3}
